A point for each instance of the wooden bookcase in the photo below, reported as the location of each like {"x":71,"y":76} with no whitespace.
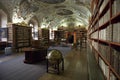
{"x":19,"y":36}
{"x":104,"y":36}
{"x":45,"y":37}
{"x":59,"y":34}
{"x":83,"y":38}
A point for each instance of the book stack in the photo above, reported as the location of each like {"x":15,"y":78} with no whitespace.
{"x":103,"y":5}
{"x":115,"y":7}
{"x":95,"y":35}
{"x":102,"y":34}
{"x":101,"y":21}
{"x":95,"y":44}
{"x":115,"y":54}
{"x":113,"y":77}
{"x":116,"y":32}
{"x":109,"y":33}
{"x":104,"y":51}
{"x":104,"y":68}
{"x":106,"y":17}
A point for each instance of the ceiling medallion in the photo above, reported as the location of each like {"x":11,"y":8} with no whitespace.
{"x":52,"y":1}
{"x":64,"y":12}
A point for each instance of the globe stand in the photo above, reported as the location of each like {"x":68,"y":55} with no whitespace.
{"x":56,"y":65}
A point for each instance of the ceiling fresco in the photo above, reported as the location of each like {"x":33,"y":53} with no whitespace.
{"x":52,"y":1}
{"x":60,"y":6}
{"x":49,"y":12}
{"x":64,"y":12}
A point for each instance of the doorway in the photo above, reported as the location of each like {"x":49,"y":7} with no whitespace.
{"x":70,"y":39}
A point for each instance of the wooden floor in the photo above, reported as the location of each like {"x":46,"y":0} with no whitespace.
{"x":78,"y":65}
{"x":75,"y":64}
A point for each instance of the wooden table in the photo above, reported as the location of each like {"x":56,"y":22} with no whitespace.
{"x":33,"y":55}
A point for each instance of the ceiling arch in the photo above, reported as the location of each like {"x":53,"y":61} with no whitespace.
{"x":51,"y":12}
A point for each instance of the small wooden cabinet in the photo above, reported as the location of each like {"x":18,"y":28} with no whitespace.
{"x":33,"y":55}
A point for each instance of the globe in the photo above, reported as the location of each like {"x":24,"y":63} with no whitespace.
{"x":54,"y":55}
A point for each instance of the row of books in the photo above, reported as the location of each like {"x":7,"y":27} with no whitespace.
{"x":102,"y":34}
{"x":10,"y":34}
{"x":91,"y":30}
{"x":103,"y":5}
{"x":115,"y":7}
{"x":106,"y":34}
{"x":96,"y":25}
{"x":94,"y":35}
{"x":95,"y":44}
{"x":111,"y":33}
{"x":112,"y":55}
{"x":113,"y":77}
{"x":116,"y":32}
{"x":45,"y":36}
{"x":104,"y":67}
{"x":105,"y":18}
{"x":115,"y":59}
{"x":115,"y":10}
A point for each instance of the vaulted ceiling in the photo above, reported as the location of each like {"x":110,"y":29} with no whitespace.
{"x":50,"y":13}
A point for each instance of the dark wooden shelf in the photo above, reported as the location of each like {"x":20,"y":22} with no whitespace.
{"x":107,"y":42}
{"x":97,"y":16}
{"x":104,"y":25}
{"x":94,"y":39}
{"x":101,"y":27}
{"x":115,"y":19}
{"x":104,"y":41}
{"x":104,"y":59}
{"x":93,"y":31}
{"x":95,"y":22}
{"x":116,"y":74}
{"x":97,"y":10}
{"x":115,"y":44}
{"x":18,"y":37}
{"x":104,"y":10}
{"x":107,"y":63}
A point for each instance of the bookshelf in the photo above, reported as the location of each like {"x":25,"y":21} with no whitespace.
{"x":45,"y":37}
{"x":82,"y":37}
{"x":104,"y":36}
{"x":19,"y":36}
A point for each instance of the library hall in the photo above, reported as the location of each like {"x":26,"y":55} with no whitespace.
{"x":59,"y":40}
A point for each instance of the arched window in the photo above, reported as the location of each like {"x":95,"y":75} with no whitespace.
{"x":3,"y":26}
{"x":3,"y":18}
{"x":34,"y":30}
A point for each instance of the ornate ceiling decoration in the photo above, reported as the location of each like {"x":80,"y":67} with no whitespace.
{"x":64,"y":12}
{"x":52,"y":1}
{"x":60,"y":6}
{"x":54,"y":10}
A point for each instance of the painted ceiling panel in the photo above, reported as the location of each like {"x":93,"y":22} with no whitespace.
{"x":51,"y":12}
{"x":52,"y":1}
